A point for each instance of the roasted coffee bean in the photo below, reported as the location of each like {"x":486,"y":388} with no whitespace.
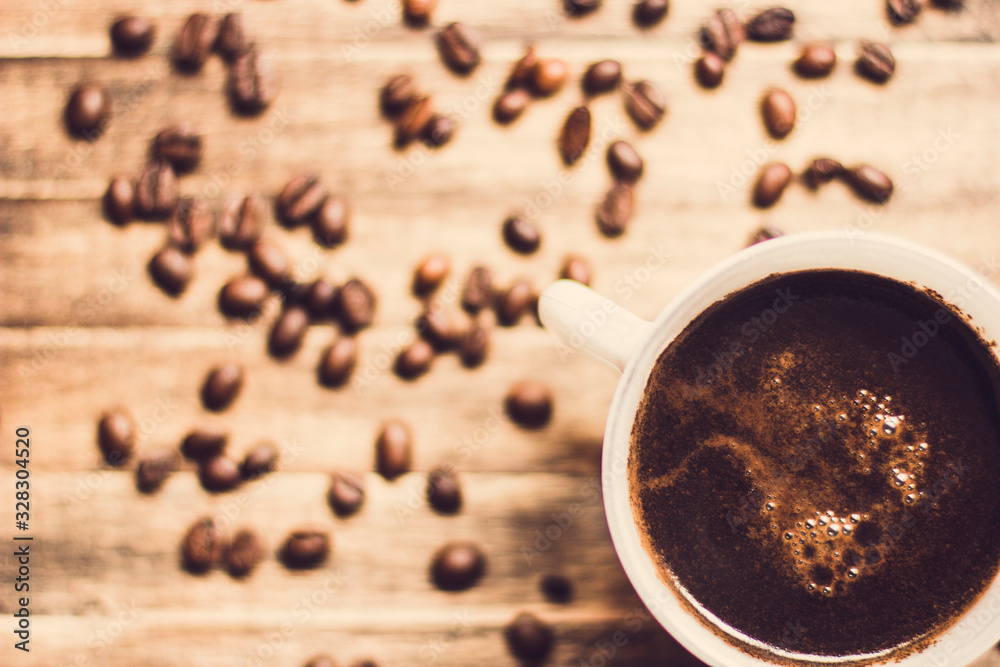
{"x":602,"y":77}
{"x":288,"y":332}
{"x":268,"y":262}
{"x":949,"y":4}
{"x":459,"y":46}
{"x":195,"y":41}
{"x":338,"y":362}
{"x":816,"y":61}
{"x":88,"y":111}
{"x":645,"y":103}
{"x":478,"y":290}
{"x":132,"y":35}
{"x":180,"y":145}
{"x":576,"y":268}
{"x":222,"y":385}
{"x":305,"y":549}
{"x":346,"y":494}
{"x":474,"y":346}
{"x":723,"y":34}
{"x":300,"y":199}
{"x":709,"y":70}
{"x":156,"y":191}
{"x":771,"y":25}
{"x":411,"y":123}
{"x":204,"y":443}
{"x":234,"y":37}
{"x":119,"y":200}
{"x":771,"y":184}
{"x":521,"y":235}
{"x":397,"y":94}
{"x":393,"y":449}
{"x":242,"y":222}
{"x":439,"y":328}
{"x":219,"y":473}
{"x":549,"y":76}
{"x":243,"y":296}
{"x":870,"y":183}
{"x":329,"y":225}
{"x":253,"y":83}
{"x":245,"y":552}
{"x":875,"y":62}
{"x":520,"y":75}
{"x":116,"y":436}
{"x":171,"y":270}
{"x":444,"y":492}
{"x":762,"y":234}
{"x":778,"y":111}
{"x":457,"y":566}
{"x":191,"y":224}
{"x":154,"y":469}
{"x":528,"y":638}
{"x":557,"y":588}
{"x":575,"y":135}
{"x":417,"y":13}
{"x":430,"y":273}
{"x":319,"y":299}
{"x":438,"y":131}
{"x":615,"y":211}
{"x":322,"y":661}
{"x":624,"y":162}
{"x":203,"y":546}
{"x":516,"y":302}
{"x":260,"y":460}
{"x":647,"y":13}
{"x":415,"y":360}
{"x":510,"y":105}
{"x":355,"y":305}
{"x":821,"y":170}
{"x":580,"y":7}
{"x":902,"y":12}
{"x":529,"y":403}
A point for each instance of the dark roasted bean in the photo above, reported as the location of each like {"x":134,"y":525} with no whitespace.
{"x":459,"y":47}
{"x":415,"y":360}
{"x":723,"y":34}
{"x":180,"y":145}
{"x":119,"y":200}
{"x":771,"y":25}
{"x":156,"y":191}
{"x":439,"y":329}
{"x":300,"y":199}
{"x":647,"y":13}
{"x":346,"y":494}
{"x":171,"y":270}
{"x":288,"y":332}
{"x":821,"y":170}
{"x":778,"y":111}
{"x":575,"y":135}
{"x":876,"y":62}
{"x":580,"y":7}
{"x":624,"y":162}
{"x":222,"y":386}
{"x":529,"y":403}
{"x":510,"y":105}
{"x":478,"y":290}
{"x":355,"y":305}
{"x":816,"y":60}
{"x":132,"y":35}
{"x":260,"y":460}
{"x":444,"y":492}
{"x":305,"y":549}
{"x":393,"y":449}
{"x":902,"y":12}
{"x":771,"y":184}
{"x":515,"y":303}
{"x":338,"y":362}
{"x":204,"y":443}
{"x":195,"y":41}
{"x":219,"y":473}
{"x":430,"y":273}
{"x":474,"y":346}
{"x":521,"y":235}
{"x":557,"y":588}
{"x":191,"y":224}
{"x":88,"y":111}
{"x":154,"y":469}
{"x":397,"y":94}
{"x":521,"y":73}
{"x":268,"y":262}
{"x":417,"y":13}
{"x":320,"y":298}
{"x":203,"y":546}
{"x":253,"y":83}
{"x":234,"y":37}
{"x":645,"y":103}
{"x":116,"y":436}
{"x":243,"y":296}
{"x":242,"y":222}
{"x":709,"y":70}
{"x":438,"y":131}
{"x":457,"y":566}
{"x":870,"y":183}
{"x":602,"y":77}
{"x":528,"y":638}
{"x":245,"y":552}
{"x":329,"y":225}
{"x":413,"y":121}
{"x":615,"y":211}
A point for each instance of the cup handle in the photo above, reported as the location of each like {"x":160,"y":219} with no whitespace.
{"x":585,"y":320}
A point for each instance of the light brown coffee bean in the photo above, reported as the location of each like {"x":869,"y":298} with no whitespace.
{"x":234,"y":37}
{"x":520,"y":75}
{"x":576,"y":268}
{"x":117,"y":436}
{"x":723,"y":34}
{"x":270,"y":264}
{"x":242,"y":222}
{"x":300,"y":199}
{"x":709,"y":70}
{"x":203,"y":546}
{"x":180,"y":145}
{"x":771,"y":184}
{"x":778,"y":111}
{"x":478,"y":290}
{"x":602,"y":77}
{"x":549,"y":76}
{"x":346,"y":494}
{"x":645,"y":103}
{"x":510,"y":105}
{"x":204,"y":443}
{"x":393,"y":449}
{"x":514,"y":303}
{"x":870,"y":183}
{"x":338,"y":362}
{"x":260,"y":460}
{"x":330,"y":224}
{"x":529,"y":403}
{"x":191,"y":225}
{"x":474,"y":346}
{"x":305,"y":548}
{"x":615,"y":212}
{"x":875,"y":62}
{"x":320,"y":300}
{"x":288,"y":332}
{"x":771,"y":25}
{"x":816,"y":61}
{"x":397,"y":94}
{"x":156,"y":191}
{"x":430,"y":273}
{"x":253,"y":83}
{"x":415,"y":360}
{"x":444,"y":492}
{"x":575,"y":135}
{"x":459,"y":47}
{"x":438,"y":327}
{"x":219,"y":473}
{"x":171,"y":270}
{"x":222,"y":385}
{"x":458,"y":566}
{"x":245,"y":553}
{"x":355,"y":305}
{"x":413,"y":121}
{"x":417,"y":13}
{"x":154,"y":468}
{"x":243,"y":296}
{"x":624,"y":162}
{"x":195,"y":41}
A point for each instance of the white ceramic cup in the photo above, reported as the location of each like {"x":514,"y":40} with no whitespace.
{"x":585,"y":320}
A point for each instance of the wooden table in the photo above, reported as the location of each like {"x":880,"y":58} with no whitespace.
{"x":82,"y":327}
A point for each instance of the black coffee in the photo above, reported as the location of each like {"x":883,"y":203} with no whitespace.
{"x":814,"y":462}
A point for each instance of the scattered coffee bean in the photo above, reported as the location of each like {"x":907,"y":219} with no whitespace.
{"x":870,"y":183}
{"x":557,"y":588}
{"x":260,"y":460}
{"x":474,"y":346}
{"x":624,"y":162}
{"x":771,"y":184}
{"x":430,"y":273}
{"x":300,"y":199}
{"x":195,"y":41}
{"x":771,"y":25}
{"x":723,"y":34}
{"x":902,"y":12}
{"x":320,"y":298}
{"x":576,"y":8}
{"x":438,"y":131}
{"x":242,"y":222}
{"x":204,"y":443}
{"x":417,"y":13}
{"x":179,"y":145}
{"x":413,"y":121}
{"x":203,"y":546}
{"x":528,"y":638}
{"x":88,"y":111}
{"x":521,"y":235}
{"x":305,"y":549}
{"x":576,"y":268}
{"x":615,"y":212}
{"x":515,"y":303}
{"x":346,"y":494}
{"x":439,"y":329}
{"x":338,"y":362}
{"x":191,"y":224}
{"x":949,"y":4}
{"x":329,"y":226}
{"x":709,"y":70}
{"x":171,"y":270}
{"x":415,"y":360}
{"x":875,"y":62}
{"x":645,"y":103}
{"x":821,"y":170}
{"x":444,"y":492}
{"x":322,"y":661}
{"x":762,"y":234}
{"x":549,"y":76}
{"x":243,"y":296}
{"x":459,"y":45}
{"x":156,"y":191}
{"x":510,"y":105}
{"x":520,"y":75}
{"x":154,"y":469}
{"x":778,"y":110}
{"x":234,"y":37}
{"x":397,"y":94}
{"x":288,"y":332}
{"x":602,"y":77}
{"x":575,"y":135}
{"x":478,"y":290}
{"x":355,"y":305}
{"x":816,"y":61}
{"x":393,"y":449}
{"x":457,"y":566}
{"x":529,"y":403}
{"x":219,"y":473}
{"x":253,"y":83}
{"x":132,"y":35}
{"x":119,"y":200}
{"x":268,"y":262}
{"x":222,"y":386}
{"x":116,"y":436}
{"x":245,"y":552}
{"x":648,"y":13}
